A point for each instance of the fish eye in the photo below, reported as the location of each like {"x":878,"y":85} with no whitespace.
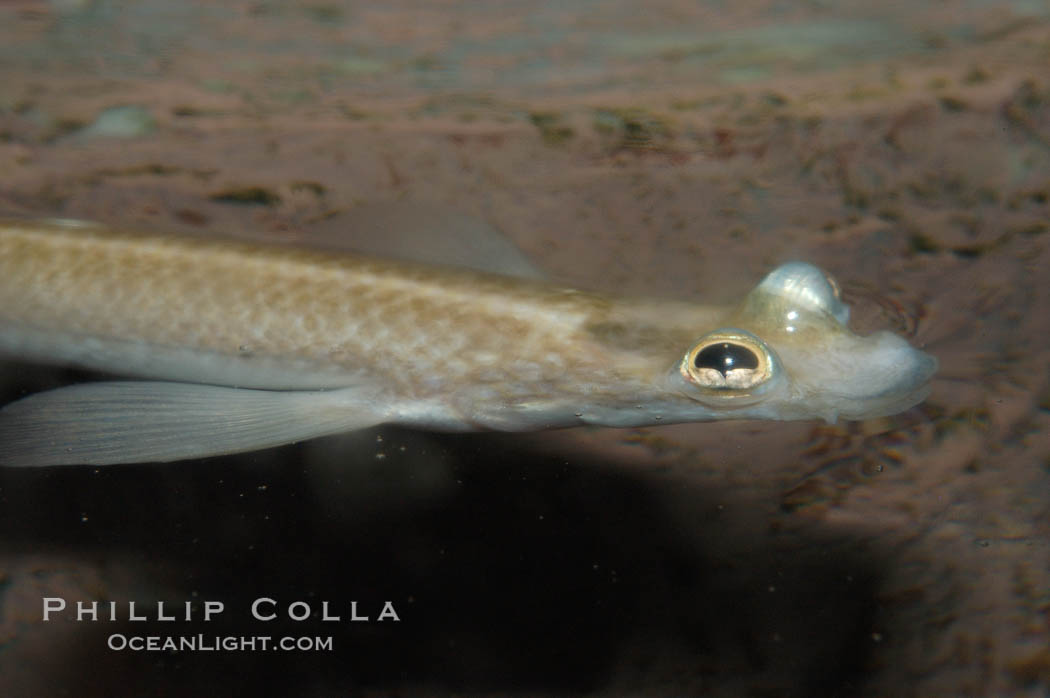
{"x":725,"y":357}
{"x":805,"y":286}
{"x":728,"y":360}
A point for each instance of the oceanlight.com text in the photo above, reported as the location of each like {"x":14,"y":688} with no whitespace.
{"x":218,"y":643}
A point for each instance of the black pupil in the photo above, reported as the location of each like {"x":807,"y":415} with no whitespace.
{"x":725,"y":357}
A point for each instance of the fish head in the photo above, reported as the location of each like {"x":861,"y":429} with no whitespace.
{"x":787,"y":353}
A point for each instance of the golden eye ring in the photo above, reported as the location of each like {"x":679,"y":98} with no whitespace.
{"x":728,"y":360}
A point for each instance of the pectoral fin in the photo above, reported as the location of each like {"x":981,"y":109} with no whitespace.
{"x":141,"y":422}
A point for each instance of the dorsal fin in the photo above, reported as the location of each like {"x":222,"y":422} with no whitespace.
{"x":426,"y":233}
{"x":412,"y":232}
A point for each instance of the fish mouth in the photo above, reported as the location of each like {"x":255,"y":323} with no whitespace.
{"x":889,"y":404}
{"x":851,"y":377}
{"x":896,"y":379}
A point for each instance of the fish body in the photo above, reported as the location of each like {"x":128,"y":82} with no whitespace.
{"x":247,"y":345}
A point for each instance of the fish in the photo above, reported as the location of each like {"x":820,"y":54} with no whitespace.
{"x":235,"y":345}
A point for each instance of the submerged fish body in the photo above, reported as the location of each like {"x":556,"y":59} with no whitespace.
{"x":246,"y":346}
